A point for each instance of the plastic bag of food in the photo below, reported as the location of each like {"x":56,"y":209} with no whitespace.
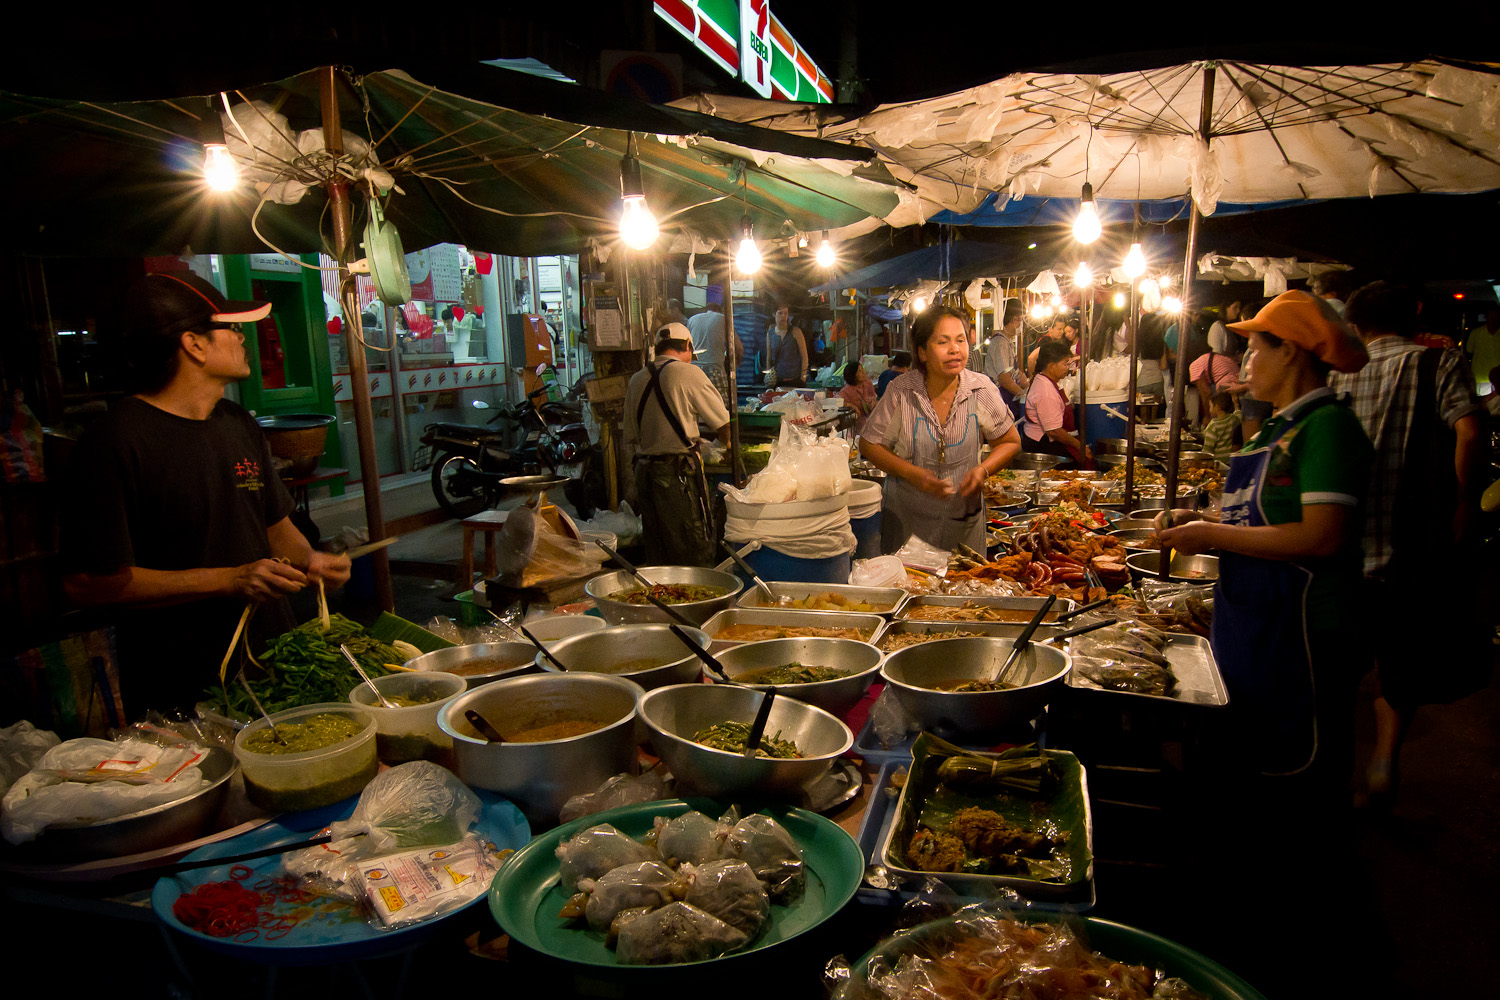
{"x":772,"y":853}
{"x":621,"y":790}
{"x":21,"y":748}
{"x":881,"y":571}
{"x":645,"y":884}
{"x":624,"y":523}
{"x":691,"y":838}
{"x":923,"y":556}
{"x":416,"y":804}
{"x":678,"y":932}
{"x":409,"y":886}
{"x":730,"y":891}
{"x":88,"y":780}
{"x":889,"y":720}
{"x":594,"y":852}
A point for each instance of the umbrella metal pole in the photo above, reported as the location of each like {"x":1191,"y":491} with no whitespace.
{"x":1134,"y":323}
{"x":736,"y":462}
{"x":1179,"y":378}
{"x":359,"y":373}
{"x":1083,"y":378}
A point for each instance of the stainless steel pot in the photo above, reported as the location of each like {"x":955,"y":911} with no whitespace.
{"x":860,"y":659}
{"x":1184,"y":568}
{"x":673,"y":714}
{"x":697,"y":612}
{"x":541,"y":777}
{"x":603,"y":651}
{"x":460,"y":659}
{"x":1028,"y":460}
{"x":913,"y":674}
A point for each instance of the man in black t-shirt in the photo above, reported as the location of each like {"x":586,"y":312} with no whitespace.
{"x":176,"y":517}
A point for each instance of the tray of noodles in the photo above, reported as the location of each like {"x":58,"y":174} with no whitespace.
{"x":1018,"y":819}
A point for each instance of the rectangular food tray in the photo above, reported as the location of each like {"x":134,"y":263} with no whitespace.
{"x":1028,"y":605}
{"x":1192,"y":660}
{"x":891,"y":598}
{"x":868,"y":624}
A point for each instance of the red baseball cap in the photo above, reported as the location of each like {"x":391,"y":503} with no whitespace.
{"x":1311,"y":324}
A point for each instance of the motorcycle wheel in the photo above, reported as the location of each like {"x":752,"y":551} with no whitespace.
{"x":456,"y":503}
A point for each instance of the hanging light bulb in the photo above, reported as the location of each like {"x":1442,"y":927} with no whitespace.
{"x":1038,"y":311}
{"x":638,"y":227}
{"x":802,"y":240}
{"x":1135,"y":262}
{"x":919,"y":304}
{"x":1172,"y":304}
{"x":825,"y":252}
{"x":1064,"y":309}
{"x":1056,"y":301}
{"x":1084,"y":276}
{"x":747,"y":259}
{"x":1119,"y":300}
{"x":1086,"y":227}
{"x":1165,"y":281}
{"x":219,"y":169}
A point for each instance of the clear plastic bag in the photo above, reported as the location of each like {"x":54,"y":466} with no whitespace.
{"x":21,"y":747}
{"x":416,"y":804}
{"x":691,"y":838}
{"x":595,"y":852}
{"x":730,"y":891}
{"x":644,"y":884}
{"x":621,"y":790}
{"x":772,"y":853}
{"x":889,"y":721}
{"x":678,"y":932}
{"x":405,"y":888}
{"x":881,"y":571}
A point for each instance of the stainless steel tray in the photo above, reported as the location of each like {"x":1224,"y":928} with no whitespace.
{"x":1192,"y":660}
{"x":868,"y":624}
{"x":889,"y":597}
{"x":1028,"y":606}
{"x":906,"y":626}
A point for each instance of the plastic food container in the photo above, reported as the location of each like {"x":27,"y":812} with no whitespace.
{"x":290,"y":782}
{"x":411,"y":732}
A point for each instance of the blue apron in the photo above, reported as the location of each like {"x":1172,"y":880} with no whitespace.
{"x":1259,"y":632}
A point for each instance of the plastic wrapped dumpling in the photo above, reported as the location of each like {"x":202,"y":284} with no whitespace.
{"x":678,"y":932}
{"x":771,"y":852}
{"x":647,"y":883}
{"x":691,"y":838}
{"x":596,"y":851}
{"x":730,"y":891}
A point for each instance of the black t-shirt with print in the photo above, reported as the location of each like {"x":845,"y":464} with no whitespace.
{"x":151,"y":489}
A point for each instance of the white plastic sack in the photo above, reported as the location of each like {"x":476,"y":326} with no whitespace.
{"x":624,"y":523}
{"x":803,"y":466}
{"x":21,"y":747}
{"x":89,"y":780}
{"x":816,"y":536}
{"x":920,"y":555}
{"x":881,"y":571}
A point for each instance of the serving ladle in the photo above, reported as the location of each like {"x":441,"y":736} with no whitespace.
{"x":1023,"y":640}
{"x":628,"y":567}
{"x":261,"y":709}
{"x":543,"y":649}
{"x":702,"y":654}
{"x":758,"y":727}
{"x":384,"y":701}
{"x":482,"y":725}
{"x":742,"y":564}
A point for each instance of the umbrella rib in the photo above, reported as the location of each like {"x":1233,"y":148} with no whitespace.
{"x":409,"y":112}
{"x":1167,"y":102}
{"x":1269,"y":131}
{"x":1404,"y":91}
{"x":494,"y":161}
{"x":290,"y":139}
{"x":497,"y":211}
{"x":120,"y":114}
{"x":1372,"y":109}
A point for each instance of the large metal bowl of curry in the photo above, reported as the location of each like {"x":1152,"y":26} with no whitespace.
{"x":649,"y":655}
{"x":917,"y":675}
{"x":621,"y":612}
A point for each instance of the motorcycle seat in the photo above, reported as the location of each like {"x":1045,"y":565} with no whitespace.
{"x":563,"y":410}
{"x":463,"y":430}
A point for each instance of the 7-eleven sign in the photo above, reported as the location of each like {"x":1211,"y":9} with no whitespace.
{"x":755,"y":45}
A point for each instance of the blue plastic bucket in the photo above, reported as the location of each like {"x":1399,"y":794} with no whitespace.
{"x":866,"y":536}
{"x":1099,"y":422}
{"x":772,"y":565}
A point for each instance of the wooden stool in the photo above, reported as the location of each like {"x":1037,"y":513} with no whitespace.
{"x":488,"y":522}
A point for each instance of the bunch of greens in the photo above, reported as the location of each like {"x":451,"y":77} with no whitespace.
{"x":304,"y":666}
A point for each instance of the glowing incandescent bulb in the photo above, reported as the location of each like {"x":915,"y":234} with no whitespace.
{"x":747,"y":258}
{"x":1172,"y":304}
{"x":1135,"y":262}
{"x":219,"y":169}
{"x":1086,"y":227}
{"x":1084,"y":276}
{"x":825,"y":252}
{"x":638,"y":228}
{"x":1119,"y":300}
{"x":918,"y":304}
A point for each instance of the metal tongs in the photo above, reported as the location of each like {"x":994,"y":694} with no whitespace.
{"x":1024,"y":639}
{"x":625,"y":564}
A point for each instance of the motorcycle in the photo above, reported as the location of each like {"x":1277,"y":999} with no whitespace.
{"x":468,"y":461}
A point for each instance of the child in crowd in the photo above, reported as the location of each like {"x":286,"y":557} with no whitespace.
{"x":1220,"y":433}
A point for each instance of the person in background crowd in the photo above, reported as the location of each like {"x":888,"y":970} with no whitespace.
{"x":1049,"y":428}
{"x":1333,"y":287}
{"x":1213,"y":372}
{"x":667,"y":407}
{"x":1483,"y":345}
{"x":1491,"y":399}
{"x":858,"y":393}
{"x":175,"y":518}
{"x":1288,"y":619}
{"x":709,"y":333}
{"x":1412,"y":521}
{"x":1196,"y":347}
{"x":900,"y":365}
{"x":1218,"y":335}
{"x":926,"y":433}
{"x":1000,"y":355}
{"x":1219,"y":431}
{"x":786,"y":350}
{"x":1057,"y":331}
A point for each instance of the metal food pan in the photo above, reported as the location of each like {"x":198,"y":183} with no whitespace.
{"x":890,"y":598}
{"x":1192,"y":660}
{"x":907,"y":626}
{"x":1028,"y":605}
{"x":868,"y":624}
